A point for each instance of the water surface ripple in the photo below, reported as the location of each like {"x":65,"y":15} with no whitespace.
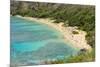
{"x":32,"y":42}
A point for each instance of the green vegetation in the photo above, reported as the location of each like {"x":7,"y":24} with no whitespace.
{"x":75,"y":32}
{"x":82,"y":16}
{"x":81,"y":57}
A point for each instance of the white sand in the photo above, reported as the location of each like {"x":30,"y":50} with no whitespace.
{"x":77,"y":40}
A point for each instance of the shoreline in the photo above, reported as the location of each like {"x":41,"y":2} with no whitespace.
{"x":77,"y":40}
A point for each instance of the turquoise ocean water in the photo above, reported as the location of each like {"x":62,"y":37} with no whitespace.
{"x":33,"y":43}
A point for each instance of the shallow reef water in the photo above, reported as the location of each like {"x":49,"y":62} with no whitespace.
{"x":33,"y":42}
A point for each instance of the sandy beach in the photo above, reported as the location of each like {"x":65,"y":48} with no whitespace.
{"x":77,"y":40}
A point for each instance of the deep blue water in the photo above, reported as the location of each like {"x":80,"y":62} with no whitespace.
{"x":32,"y":42}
